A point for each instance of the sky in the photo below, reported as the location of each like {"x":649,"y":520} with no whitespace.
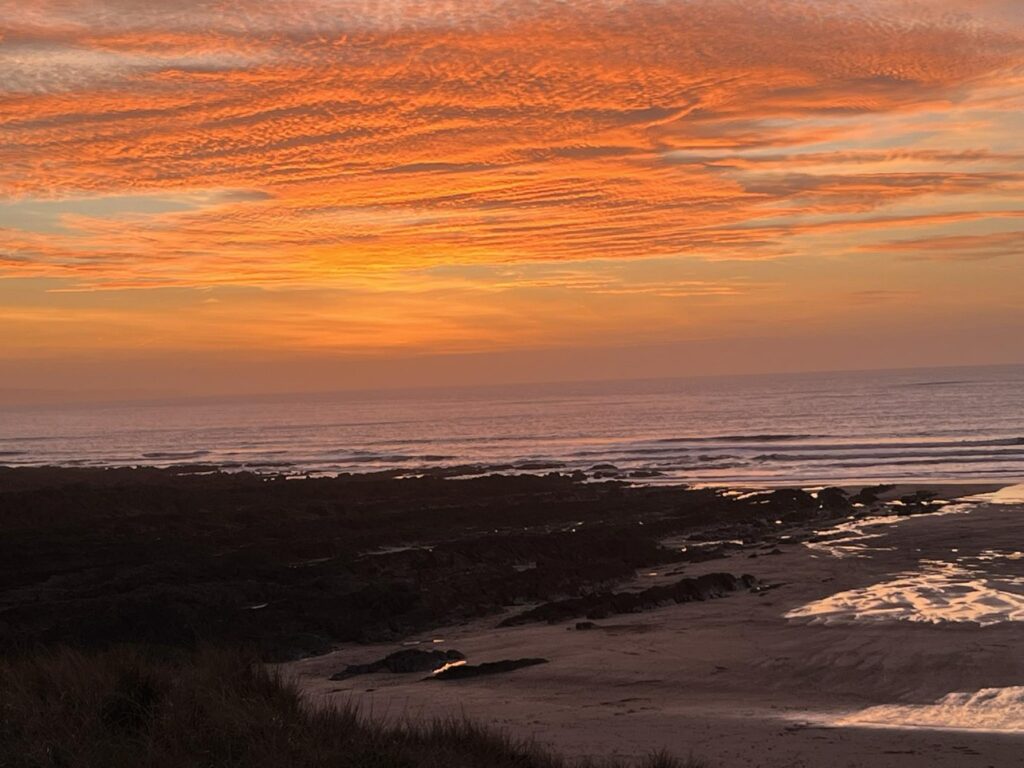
{"x":203,"y":197}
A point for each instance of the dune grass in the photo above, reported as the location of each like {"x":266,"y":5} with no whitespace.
{"x":136,"y":708}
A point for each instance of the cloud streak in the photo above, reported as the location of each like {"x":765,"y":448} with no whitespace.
{"x":318,"y":145}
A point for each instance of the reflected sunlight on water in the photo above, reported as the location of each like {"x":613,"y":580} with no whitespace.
{"x":758,"y":430}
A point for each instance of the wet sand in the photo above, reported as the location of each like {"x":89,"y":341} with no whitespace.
{"x":737,"y":683}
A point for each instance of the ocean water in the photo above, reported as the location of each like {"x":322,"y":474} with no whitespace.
{"x":914,"y":425}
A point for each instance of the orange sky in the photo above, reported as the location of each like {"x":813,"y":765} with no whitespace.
{"x":201,"y":196}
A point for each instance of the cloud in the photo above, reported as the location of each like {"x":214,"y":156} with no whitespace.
{"x":353,"y":147}
{"x":956,"y":247}
{"x":883,"y":296}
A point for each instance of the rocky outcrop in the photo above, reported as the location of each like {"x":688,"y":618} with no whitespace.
{"x":833,"y":500}
{"x":870,"y":494}
{"x":403,"y":662}
{"x":600,"y":605}
{"x":294,"y":567}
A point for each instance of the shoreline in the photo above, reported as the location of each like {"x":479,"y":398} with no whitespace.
{"x":680,"y":595}
{"x":748,"y":687}
{"x":463,"y":472}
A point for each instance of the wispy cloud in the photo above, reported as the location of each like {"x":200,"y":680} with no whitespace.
{"x":317,"y":145}
{"x":957,"y":247}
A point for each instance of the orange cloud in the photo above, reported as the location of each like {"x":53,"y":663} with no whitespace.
{"x":957,"y":247}
{"x":353,"y":147}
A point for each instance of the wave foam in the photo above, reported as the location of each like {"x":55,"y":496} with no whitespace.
{"x":990,"y":709}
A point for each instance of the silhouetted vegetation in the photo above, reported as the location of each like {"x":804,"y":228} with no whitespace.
{"x":131,"y":708}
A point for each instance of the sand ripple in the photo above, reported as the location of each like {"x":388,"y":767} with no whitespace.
{"x":938,"y":592}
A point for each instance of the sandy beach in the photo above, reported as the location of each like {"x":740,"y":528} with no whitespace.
{"x":869,"y":649}
{"x":877,"y":626}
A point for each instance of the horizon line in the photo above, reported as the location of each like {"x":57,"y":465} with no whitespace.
{"x":383,"y":391}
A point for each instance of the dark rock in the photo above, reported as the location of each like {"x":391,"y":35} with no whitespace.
{"x":538,"y":465}
{"x":918,"y":497}
{"x":919,"y":502}
{"x":294,"y":567}
{"x":466,"y":671}
{"x":790,"y":504}
{"x":870,"y":495}
{"x":585,"y":625}
{"x":403,"y":662}
{"x":833,"y":500}
{"x":641,"y":473}
{"x":601,"y":605}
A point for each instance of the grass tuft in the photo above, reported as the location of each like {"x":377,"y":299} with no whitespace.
{"x":132,"y":708}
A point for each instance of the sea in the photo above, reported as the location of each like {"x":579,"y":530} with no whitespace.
{"x":921,"y":425}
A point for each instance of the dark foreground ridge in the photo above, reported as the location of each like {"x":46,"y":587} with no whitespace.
{"x":127,"y":708}
{"x":293,"y":566}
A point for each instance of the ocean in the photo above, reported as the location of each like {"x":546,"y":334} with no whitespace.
{"x":953,"y":424}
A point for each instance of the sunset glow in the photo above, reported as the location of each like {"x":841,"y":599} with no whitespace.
{"x":408,"y":178}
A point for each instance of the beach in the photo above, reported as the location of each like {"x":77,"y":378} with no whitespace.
{"x":869,"y":626}
{"x":900,"y":648}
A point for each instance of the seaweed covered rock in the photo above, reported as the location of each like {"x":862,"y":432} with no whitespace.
{"x":403,"y":662}
{"x":870,"y":494}
{"x":600,"y":605}
{"x":833,"y":500}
